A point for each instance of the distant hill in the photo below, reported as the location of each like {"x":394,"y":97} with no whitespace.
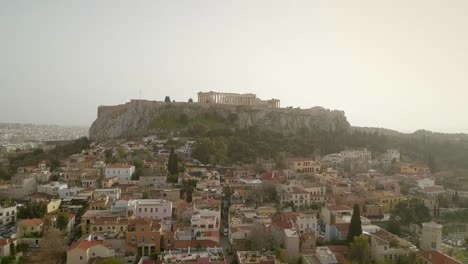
{"x":244,"y":133}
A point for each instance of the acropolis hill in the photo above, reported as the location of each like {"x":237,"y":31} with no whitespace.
{"x":143,"y":117}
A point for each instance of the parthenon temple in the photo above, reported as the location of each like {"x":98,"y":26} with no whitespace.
{"x":236,"y":99}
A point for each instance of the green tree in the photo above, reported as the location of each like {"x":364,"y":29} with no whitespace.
{"x":32,"y":210}
{"x":62,"y":220}
{"x":173,"y":163}
{"x":359,"y":250}
{"x":355,"y":227}
{"x":139,"y":168}
{"x":111,"y":261}
{"x":393,"y":226}
{"x":190,"y":100}
{"x":167,"y":99}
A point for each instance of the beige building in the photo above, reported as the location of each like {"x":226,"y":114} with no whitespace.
{"x":386,"y":246}
{"x":256,"y":257}
{"x":30,"y":227}
{"x":83,"y":251}
{"x":303,"y":165}
{"x":431,"y":237}
{"x":143,"y":237}
{"x":291,"y":243}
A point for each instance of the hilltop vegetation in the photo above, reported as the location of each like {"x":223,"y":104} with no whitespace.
{"x":220,"y":142}
{"x":33,"y":158}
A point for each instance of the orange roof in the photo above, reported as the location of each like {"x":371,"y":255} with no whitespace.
{"x":4,"y":242}
{"x":119,"y":165}
{"x":339,"y":208}
{"x":193,"y":243}
{"x":31,"y":222}
{"x":85,"y":244}
{"x":436,"y":257}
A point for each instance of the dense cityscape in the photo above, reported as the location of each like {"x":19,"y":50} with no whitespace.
{"x":176,"y":196}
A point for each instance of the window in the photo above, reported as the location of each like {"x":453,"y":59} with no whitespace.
{"x":156,"y":209}
{"x":433,"y":245}
{"x":139,"y":209}
{"x":81,"y":257}
{"x":146,"y":210}
{"x":133,"y":238}
{"x":143,"y":239}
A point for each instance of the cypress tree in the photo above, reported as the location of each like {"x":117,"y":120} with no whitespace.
{"x":355,"y":227}
{"x":173,"y":163}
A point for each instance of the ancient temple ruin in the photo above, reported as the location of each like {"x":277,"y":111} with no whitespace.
{"x":236,"y":99}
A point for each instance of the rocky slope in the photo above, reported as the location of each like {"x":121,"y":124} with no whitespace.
{"x":135,"y":118}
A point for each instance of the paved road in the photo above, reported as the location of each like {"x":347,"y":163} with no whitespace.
{"x":224,"y":242}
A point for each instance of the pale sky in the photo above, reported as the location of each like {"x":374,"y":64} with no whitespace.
{"x":399,"y":64}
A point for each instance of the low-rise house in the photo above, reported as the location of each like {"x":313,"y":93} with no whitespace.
{"x":435,"y":257}
{"x":69,"y":192}
{"x":83,"y":251}
{"x":143,"y":237}
{"x":431,"y":237}
{"x":433,"y":191}
{"x":256,"y":257}
{"x":8,"y":212}
{"x":303,"y":165}
{"x":123,"y":171}
{"x":52,"y":205}
{"x":323,"y":255}
{"x":384,"y":245}
{"x":52,"y":188}
{"x":5,"y":246}
{"x":151,"y":208}
{"x":413,"y":169}
{"x":152,"y":181}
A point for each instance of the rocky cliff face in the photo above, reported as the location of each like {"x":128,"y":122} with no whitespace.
{"x":134,"y":118}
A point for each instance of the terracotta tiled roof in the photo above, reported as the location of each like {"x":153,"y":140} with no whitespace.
{"x":333,"y":208}
{"x":193,"y":243}
{"x":31,"y":222}
{"x":436,"y":257}
{"x":85,"y":244}
{"x":119,"y":166}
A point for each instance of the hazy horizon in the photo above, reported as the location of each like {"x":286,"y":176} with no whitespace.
{"x":399,"y":65}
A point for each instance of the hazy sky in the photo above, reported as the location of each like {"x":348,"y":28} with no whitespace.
{"x":394,"y":64}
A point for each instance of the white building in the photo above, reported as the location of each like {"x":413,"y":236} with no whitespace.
{"x":151,"y":208}
{"x":392,"y":154}
{"x":306,"y":223}
{"x":52,"y":188}
{"x":426,"y":182}
{"x":8,"y":212}
{"x":122,"y":170}
{"x":113,"y":193}
{"x":68,"y":192}
{"x":431,"y":238}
